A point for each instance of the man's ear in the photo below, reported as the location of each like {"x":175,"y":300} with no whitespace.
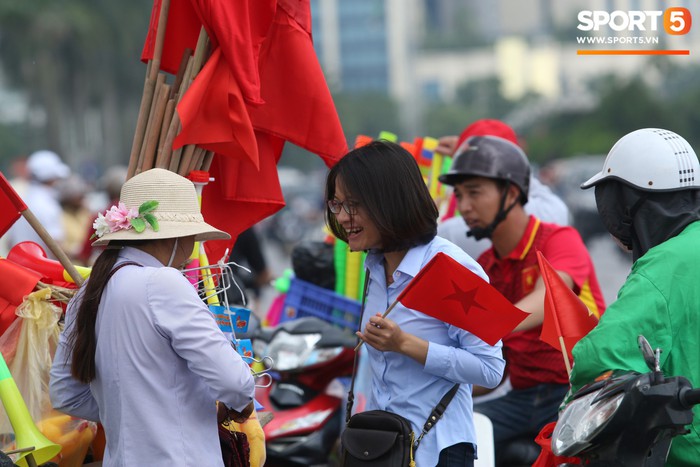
{"x":513,"y":194}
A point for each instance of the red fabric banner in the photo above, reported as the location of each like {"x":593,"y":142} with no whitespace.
{"x":251,"y":194}
{"x":261,"y":86}
{"x":450,"y":292}
{"x":11,"y":205}
{"x":565,"y":314}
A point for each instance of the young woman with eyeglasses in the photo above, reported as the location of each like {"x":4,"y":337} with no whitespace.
{"x":377,"y":202}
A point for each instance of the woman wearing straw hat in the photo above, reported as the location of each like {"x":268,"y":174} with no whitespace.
{"x":140,"y":351}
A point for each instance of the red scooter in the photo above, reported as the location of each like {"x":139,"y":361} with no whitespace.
{"x":311,"y":364}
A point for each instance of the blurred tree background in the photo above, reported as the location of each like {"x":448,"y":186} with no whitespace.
{"x":76,"y":65}
{"x":71,"y":81}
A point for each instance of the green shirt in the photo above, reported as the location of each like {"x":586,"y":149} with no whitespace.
{"x":661,"y":301}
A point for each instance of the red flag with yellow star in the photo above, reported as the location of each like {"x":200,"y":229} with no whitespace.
{"x":450,"y":292}
{"x":565,"y":315}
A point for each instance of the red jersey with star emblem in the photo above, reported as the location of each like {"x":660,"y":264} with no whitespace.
{"x":531,"y":361}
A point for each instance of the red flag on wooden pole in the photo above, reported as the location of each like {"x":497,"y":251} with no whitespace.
{"x":450,"y":292}
{"x":566,"y":317}
{"x":11,"y":205}
{"x":261,"y":86}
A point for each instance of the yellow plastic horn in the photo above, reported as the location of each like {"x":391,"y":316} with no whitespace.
{"x":26,"y":433}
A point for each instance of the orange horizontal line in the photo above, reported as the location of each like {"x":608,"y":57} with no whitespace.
{"x":632,"y":52}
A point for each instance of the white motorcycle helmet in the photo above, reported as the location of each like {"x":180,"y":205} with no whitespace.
{"x":651,"y":159}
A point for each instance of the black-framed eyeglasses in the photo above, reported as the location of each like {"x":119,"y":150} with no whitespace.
{"x":349,"y":206}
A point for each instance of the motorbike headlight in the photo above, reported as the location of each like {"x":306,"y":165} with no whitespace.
{"x":296,"y":351}
{"x":581,"y":421}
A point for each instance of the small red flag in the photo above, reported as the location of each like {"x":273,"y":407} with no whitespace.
{"x":565,"y":314}
{"x":450,"y":292}
{"x":11,"y":205}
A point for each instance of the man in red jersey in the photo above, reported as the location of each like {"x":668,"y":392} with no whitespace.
{"x":491,"y":178}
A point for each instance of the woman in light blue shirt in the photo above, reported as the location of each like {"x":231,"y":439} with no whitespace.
{"x":378,"y":202}
{"x":140,"y":352}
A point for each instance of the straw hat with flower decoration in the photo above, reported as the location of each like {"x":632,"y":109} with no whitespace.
{"x":155,"y":204}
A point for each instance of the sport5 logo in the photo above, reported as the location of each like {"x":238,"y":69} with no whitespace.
{"x":676,"y":20}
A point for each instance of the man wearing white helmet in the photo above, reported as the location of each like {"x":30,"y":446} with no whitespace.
{"x":648,"y":196}
{"x":45,"y":169}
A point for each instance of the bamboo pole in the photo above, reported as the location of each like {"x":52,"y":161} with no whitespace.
{"x":171,"y":160}
{"x":148,"y":90}
{"x":200,"y":51}
{"x":181,"y":158}
{"x":180,"y":73}
{"x":186,"y":160}
{"x":153,"y":135}
{"x":566,"y":355}
{"x":160,"y":82}
{"x":165,"y":145}
{"x":53,"y":246}
{"x":162,"y":157}
{"x":206,"y":162}
{"x":197,"y":158}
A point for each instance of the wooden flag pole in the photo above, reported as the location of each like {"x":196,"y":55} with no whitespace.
{"x":53,"y":246}
{"x":206,"y":161}
{"x":194,"y":64}
{"x":388,"y":310}
{"x":566,"y":356}
{"x":160,"y":81}
{"x":148,"y":90}
{"x":154,"y":127}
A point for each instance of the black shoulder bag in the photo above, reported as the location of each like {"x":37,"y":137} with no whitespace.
{"x":380,"y":438}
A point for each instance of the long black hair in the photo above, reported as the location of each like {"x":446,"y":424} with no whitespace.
{"x":384,"y":179}
{"x":82,"y":337}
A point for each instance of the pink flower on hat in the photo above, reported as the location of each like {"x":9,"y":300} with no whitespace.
{"x":119,"y":217}
{"x":122,"y":218}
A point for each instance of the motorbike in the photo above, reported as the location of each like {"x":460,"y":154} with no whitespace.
{"x":626,"y":419}
{"x":311,"y":363}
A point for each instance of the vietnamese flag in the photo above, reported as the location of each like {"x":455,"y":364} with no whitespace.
{"x":566,"y":317}
{"x":450,"y":292}
{"x":11,"y":205}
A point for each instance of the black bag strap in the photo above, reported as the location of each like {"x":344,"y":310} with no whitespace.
{"x":351,"y":393}
{"x":437,"y":411}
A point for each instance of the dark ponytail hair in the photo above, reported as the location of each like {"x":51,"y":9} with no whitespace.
{"x":82,"y":338}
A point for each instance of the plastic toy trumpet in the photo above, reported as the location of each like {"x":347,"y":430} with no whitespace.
{"x":33,"y":447}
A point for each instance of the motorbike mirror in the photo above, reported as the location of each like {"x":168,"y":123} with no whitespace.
{"x":647,"y":352}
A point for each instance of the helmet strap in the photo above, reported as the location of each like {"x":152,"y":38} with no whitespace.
{"x":486,"y":232}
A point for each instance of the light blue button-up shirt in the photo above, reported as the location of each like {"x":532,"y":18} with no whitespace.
{"x":162,"y":362}
{"x":400,"y":384}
